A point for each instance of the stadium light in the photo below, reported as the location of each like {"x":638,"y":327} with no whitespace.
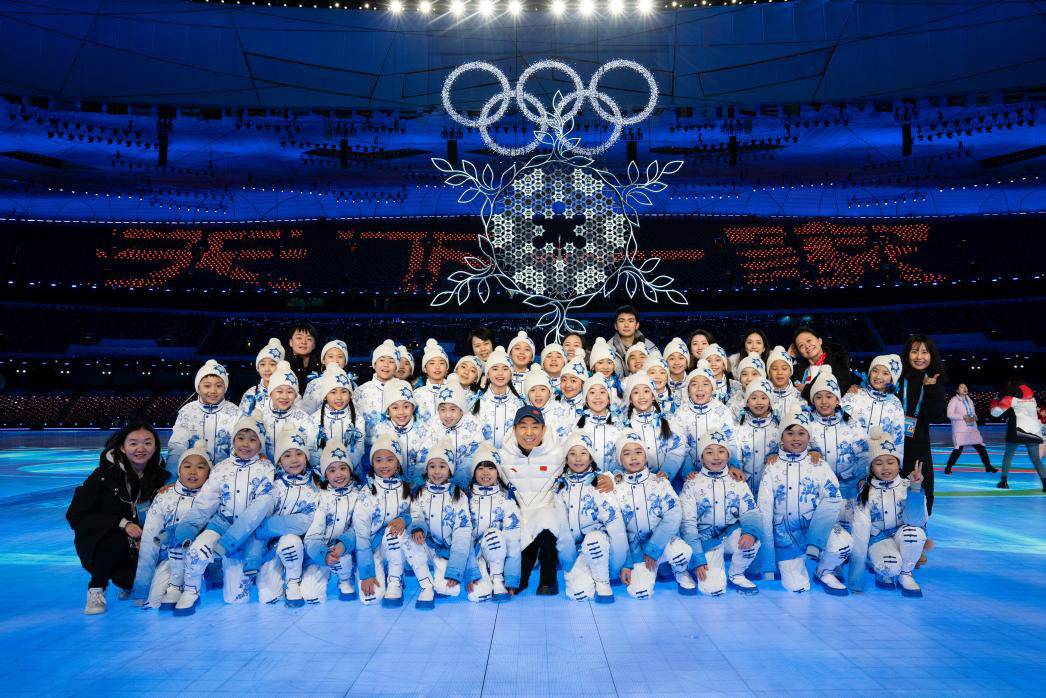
{"x":558,"y":8}
{"x":486,"y":7}
{"x":645,"y":6}
{"x":616,"y":7}
{"x":586,"y":8}
{"x":395,"y":7}
{"x":515,"y":7}
{"x":424,"y":7}
{"x":457,"y":8}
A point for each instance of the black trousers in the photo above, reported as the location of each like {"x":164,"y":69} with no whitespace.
{"x":114,"y":560}
{"x":981,"y":450}
{"x":918,"y":450}
{"x":543,"y":550}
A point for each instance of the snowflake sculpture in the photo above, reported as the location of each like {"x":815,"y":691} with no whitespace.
{"x":557,"y":230}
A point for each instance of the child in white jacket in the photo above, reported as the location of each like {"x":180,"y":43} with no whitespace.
{"x":719,"y":518}
{"x":380,"y":524}
{"x":338,"y":419}
{"x":440,"y":528}
{"x":591,"y":542}
{"x":265,"y":363}
{"x":665,"y":442}
{"x":779,"y":368}
{"x":295,"y":493}
{"x":401,"y":423}
{"x":498,"y":404}
{"x":701,"y":412}
{"x":453,"y":421}
{"x":889,"y":521}
{"x":435,"y":365}
{"x":330,"y":541}
{"x":758,"y":432}
{"x":799,"y":502}
{"x":281,"y":413}
{"x":875,"y":404}
{"x":335,"y":354}
{"x":161,"y":567}
{"x":234,"y":500}
{"x":210,"y":417}
{"x":369,"y":397}
{"x":650,"y":508}
{"x":598,"y":423}
{"x":496,"y":528}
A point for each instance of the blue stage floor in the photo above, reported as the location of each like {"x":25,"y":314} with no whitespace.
{"x":980,"y":630}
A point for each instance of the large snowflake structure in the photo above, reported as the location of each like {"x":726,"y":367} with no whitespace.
{"x":558,"y":231}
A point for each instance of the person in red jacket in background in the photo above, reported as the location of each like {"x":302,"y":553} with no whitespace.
{"x":1023,"y":428}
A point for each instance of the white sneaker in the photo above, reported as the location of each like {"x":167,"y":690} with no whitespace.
{"x":170,"y":597}
{"x":294,"y":598}
{"x":187,"y":602}
{"x":426,"y":597}
{"x":742,"y":584}
{"x":604,"y":592}
{"x":909,"y":587}
{"x":686,"y":584}
{"x":393,"y":593}
{"x":500,"y":592}
{"x":95,"y":601}
{"x":831,"y":584}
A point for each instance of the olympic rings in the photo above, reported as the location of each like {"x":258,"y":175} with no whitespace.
{"x":566,"y":108}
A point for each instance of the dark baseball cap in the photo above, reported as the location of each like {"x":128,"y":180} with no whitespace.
{"x":528,"y":411}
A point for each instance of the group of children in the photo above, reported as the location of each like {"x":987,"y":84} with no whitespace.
{"x":717,"y":470}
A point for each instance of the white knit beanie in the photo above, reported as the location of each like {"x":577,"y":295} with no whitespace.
{"x":825,"y":380}
{"x":892,"y":363}
{"x":498,"y":357}
{"x":288,"y":439}
{"x":273,"y":350}
{"x":197,"y":449}
{"x":713,"y":349}
{"x":535,"y":377}
{"x":553,"y":349}
{"x":634,"y":381}
{"x":676,"y":346}
{"x":433,"y":350}
{"x":576,"y":367}
{"x":753,"y":360}
{"x":212,"y":368}
{"x":579,"y":438}
{"x":600,"y":350}
{"x":334,"y":452}
{"x":335,"y":344}
{"x":453,"y":394}
{"x":760,"y":385}
{"x":396,"y":390}
{"x":402,"y":352}
{"x":334,"y":377}
{"x":283,"y":375}
{"x":702,"y":370}
{"x":795,"y":415}
{"x":386,"y":442}
{"x":779,"y":353}
{"x":445,"y":450}
{"x":522,"y":336}
{"x":880,"y":444}
{"x":385,"y":349}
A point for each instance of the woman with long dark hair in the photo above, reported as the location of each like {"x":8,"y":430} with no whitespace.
{"x":922,"y":396}
{"x":106,"y":511}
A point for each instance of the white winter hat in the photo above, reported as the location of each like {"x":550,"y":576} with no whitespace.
{"x":396,"y":390}
{"x":627,"y":437}
{"x":486,"y":453}
{"x":760,"y":385}
{"x":403,"y":353}
{"x":779,"y":353}
{"x":212,"y":368}
{"x":676,"y":346}
{"x":576,"y":367}
{"x":334,"y":377}
{"x":199,"y":448}
{"x":250,"y":423}
{"x":536,"y":377}
{"x":453,"y":394}
{"x":600,"y":350}
{"x":825,"y":380}
{"x":892,"y":363}
{"x":498,"y":357}
{"x":288,"y":439}
{"x":283,"y":375}
{"x":472,"y":360}
{"x":522,"y":336}
{"x":880,"y":444}
{"x":634,"y":381}
{"x":553,"y":349}
{"x":702,"y":370}
{"x":433,"y":350}
{"x":386,"y":442}
{"x":654,"y":361}
{"x":637,"y":348}
{"x":714,"y":349}
{"x":579,"y":438}
{"x":795,"y":415}
{"x":335,"y":344}
{"x":273,"y":350}
{"x":385,"y":349}
{"x":596,"y":379}
{"x":713,"y":437}
{"x":445,"y":451}
{"x":334,"y":452}
{"x":753,"y":360}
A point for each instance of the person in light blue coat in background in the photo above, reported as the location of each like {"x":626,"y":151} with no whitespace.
{"x":440,"y":529}
{"x":889,"y":527}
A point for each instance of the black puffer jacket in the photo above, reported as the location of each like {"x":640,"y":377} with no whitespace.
{"x":108,"y":495}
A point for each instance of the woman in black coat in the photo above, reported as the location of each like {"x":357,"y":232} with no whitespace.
{"x":814,"y":351}
{"x":106,"y":511}
{"x":923,"y":399}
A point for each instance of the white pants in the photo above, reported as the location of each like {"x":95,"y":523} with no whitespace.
{"x":169,"y":572}
{"x":794,"y":576}
{"x":677,"y":554}
{"x":591,"y":566}
{"x":287,"y":564}
{"x":315,"y":578}
{"x":237,"y":587}
{"x":494,"y":549}
{"x":715,"y":578}
{"x":425,"y":556}
{"x":899,"y":553}
{"x":393,"y":553}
